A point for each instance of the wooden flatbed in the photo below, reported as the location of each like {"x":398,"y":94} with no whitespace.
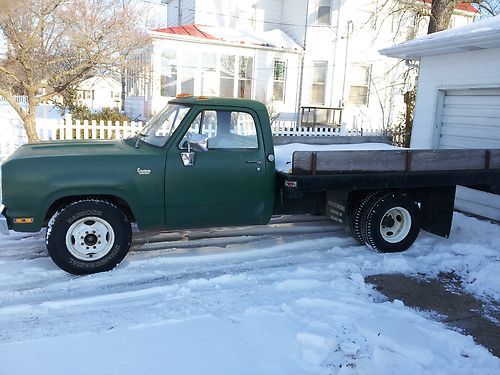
{"x":347,"y":186}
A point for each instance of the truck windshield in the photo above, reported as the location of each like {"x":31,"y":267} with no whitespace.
{"x":159,"y":129}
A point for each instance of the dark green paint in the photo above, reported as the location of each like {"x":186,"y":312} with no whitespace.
{"x":221,"y":189}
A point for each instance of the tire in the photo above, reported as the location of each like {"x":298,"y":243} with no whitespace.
{"x":88,"y":236}
{"x":391,"y":223}
{"x":357,"y":214}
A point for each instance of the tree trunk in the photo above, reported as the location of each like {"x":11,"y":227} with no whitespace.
{"x":30,"y":121}
{"x":441,"y":12}
{"x":30,"y":127}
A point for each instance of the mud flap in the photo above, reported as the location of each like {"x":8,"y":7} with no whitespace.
{"x":437,"y":210}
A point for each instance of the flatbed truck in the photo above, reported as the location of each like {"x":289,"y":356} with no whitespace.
{"x":206,"y":161}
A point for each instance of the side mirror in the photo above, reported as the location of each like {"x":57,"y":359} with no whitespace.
{"x":197,"y":141}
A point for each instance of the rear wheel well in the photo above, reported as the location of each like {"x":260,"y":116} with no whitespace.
{"x":64,"y":201}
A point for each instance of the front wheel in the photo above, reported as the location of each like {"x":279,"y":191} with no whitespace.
{"x":391,"y":223}
{"x":88,"y":236}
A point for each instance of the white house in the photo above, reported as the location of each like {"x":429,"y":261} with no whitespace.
{"x":339,"y":67}
{"x":215,"y":61}
{"x":458,"y":97}
{"x":99,"y":92}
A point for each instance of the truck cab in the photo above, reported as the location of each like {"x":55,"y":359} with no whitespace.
{"x":199,"y":162}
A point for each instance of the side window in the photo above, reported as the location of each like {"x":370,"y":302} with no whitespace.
{"x":226,"y":130}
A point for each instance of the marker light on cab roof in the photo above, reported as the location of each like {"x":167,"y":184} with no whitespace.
{"x":178,"y":96}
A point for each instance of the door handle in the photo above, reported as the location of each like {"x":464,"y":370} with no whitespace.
{"x":258,"y":162}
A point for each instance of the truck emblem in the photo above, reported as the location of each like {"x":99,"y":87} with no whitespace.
{"x":143,"y":171}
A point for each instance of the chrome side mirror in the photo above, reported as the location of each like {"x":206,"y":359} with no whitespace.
{"x":188,"y":158}
{"x":198,"y":142}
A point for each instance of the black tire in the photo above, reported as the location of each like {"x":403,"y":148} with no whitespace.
{"x":106,"y":229}
{"x":391,"y":223}
{"x":357,"y":214}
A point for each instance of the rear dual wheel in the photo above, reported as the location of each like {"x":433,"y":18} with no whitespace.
{"x":355,"y":222}
{"x":388,"y":222}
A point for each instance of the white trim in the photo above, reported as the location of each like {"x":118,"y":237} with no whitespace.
{"x":182,"y":38}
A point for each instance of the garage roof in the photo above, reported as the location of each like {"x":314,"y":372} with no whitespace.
{"x":475,"y":36}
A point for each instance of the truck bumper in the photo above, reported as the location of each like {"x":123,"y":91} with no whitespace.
{"x":4,"y":228}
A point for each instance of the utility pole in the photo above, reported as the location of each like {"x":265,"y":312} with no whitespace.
{"x":350,"y":29}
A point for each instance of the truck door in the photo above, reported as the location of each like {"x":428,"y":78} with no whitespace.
{"x":225,"y":184}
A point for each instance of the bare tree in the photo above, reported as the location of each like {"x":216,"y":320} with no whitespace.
{"x":52,"y":45}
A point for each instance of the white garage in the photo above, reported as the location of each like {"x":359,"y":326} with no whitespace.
{"x":458,"y":96}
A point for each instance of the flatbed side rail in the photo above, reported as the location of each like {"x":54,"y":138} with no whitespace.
{"x":326,"y":162}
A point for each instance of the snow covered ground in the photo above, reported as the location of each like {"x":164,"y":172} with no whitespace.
{"x":287,"y":298}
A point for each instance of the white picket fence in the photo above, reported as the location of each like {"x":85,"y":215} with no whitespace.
{"x":18,"y":98}
{"x":13,"y":134}
{"x":67,"y":129}
{"x":289,"y":128}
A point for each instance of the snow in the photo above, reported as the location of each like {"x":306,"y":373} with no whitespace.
{"x":13,"y":134}
{"x":287,"y":298}
{"x":273,"y":38}
{"x":474,"y":36}
{"x":491,"y":24}
{"x":284,"y":153}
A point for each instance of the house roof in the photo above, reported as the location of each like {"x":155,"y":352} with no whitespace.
{"x":478,"y":35}
{"x":467,"y":7}
{"x":188,"y":30}
{"x":274,"y":38}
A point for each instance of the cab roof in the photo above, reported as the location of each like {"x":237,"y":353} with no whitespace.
{"x":220,"y":102}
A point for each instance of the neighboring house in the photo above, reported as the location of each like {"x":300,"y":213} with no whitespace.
{"x":339,"y":40}
{"x":214,"y":61}
{"x":458,"y":97}
{"x":99,"y":92}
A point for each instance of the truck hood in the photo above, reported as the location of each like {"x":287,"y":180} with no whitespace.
{"x":70,"y":148}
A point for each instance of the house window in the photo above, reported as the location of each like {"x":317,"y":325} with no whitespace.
{"x":245,"y":78}
{"x":279,"y":80}
{"x":227,"y":76}
{"x":319,"y":69}
{"x":209,"y":78}
{"x":86,"y":94}
{"x":324,"y":12}
{"x":168,"y":73}
{"x":360,"y":85}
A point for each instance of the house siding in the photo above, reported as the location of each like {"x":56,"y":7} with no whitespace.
{"x":187,"y":9}
{"x":293,"y":19}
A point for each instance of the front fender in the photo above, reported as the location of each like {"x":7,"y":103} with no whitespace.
{"x":37,"y":191}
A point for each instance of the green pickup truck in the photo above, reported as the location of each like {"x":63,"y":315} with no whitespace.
{"x":210,"y":162}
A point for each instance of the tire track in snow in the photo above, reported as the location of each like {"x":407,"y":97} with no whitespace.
{"x":230,"y":260}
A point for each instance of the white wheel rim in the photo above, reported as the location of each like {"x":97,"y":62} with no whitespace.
{"x":395,"y":224}
{"x":90,"y":238}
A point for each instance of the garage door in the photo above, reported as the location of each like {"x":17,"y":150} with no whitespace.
{"x":471,"y":119}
